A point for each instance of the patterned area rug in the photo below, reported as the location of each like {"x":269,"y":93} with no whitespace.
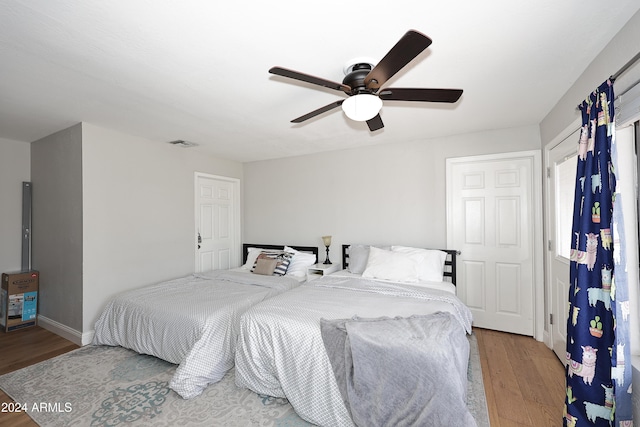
{"x":108,"y":386}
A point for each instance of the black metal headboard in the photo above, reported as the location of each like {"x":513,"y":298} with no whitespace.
{"x":246,"y":246}
{"x":449,"y":263}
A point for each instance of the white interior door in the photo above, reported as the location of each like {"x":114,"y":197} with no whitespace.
{"x":217,"y":223}
{"x":561,"y":167}
{"x":492,"y":220}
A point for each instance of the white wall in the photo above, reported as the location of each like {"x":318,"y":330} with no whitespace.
{"x":15,"y":168}
{"x":138,"y":212}
{"x":386,"y":194}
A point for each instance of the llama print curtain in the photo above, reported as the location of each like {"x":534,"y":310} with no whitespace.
{"x":590,"y":326}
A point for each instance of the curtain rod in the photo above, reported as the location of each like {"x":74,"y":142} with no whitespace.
{"x":621,"y":71}
{"x":626,"y":66}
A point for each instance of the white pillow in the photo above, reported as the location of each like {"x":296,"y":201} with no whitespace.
{"x":252,"y":256}
{"x":430,"y":262}
{"x":358,"y":257}
{"x":388,"y":265}
{"x":300,"y":262}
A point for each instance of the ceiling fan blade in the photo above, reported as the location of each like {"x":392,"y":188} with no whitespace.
{"x":318,"y":111}
{"x":424,"y":95}
{"x":407,"y":48}
{"x":375,"y":123}
{"x":310,"y":79}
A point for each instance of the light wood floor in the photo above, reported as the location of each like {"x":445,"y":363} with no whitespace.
{"x":22,"y":348}
{"x":523,"y":379}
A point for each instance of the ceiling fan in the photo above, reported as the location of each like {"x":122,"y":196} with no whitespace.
{"x":363,"y":81}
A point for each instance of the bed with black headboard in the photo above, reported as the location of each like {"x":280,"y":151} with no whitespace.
{"x":449,"y":270}
{"x":192,"y":321}
{"x":283,"y":337}
{"x":247,"y":247}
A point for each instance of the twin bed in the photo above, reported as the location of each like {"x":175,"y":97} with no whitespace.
{"x":318,"y":343}
{"x":193,"y":321}
{"x":291,"y":345}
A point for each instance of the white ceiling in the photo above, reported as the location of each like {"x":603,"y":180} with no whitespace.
{"x":198,"y":69}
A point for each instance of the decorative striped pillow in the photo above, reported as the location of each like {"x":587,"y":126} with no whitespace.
{"x":283,"y":260}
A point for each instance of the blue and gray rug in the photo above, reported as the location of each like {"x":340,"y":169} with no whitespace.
{"x":109,"y":386}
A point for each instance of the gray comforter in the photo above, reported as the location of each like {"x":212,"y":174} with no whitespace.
{"x":401,"y":371}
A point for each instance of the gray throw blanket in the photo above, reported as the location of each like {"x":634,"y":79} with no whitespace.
{"x":402,"y":371}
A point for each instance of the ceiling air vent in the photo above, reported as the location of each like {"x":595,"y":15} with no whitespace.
{"x":182,"y":143}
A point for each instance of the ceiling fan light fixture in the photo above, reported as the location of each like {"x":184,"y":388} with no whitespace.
{"x":362,"y":107}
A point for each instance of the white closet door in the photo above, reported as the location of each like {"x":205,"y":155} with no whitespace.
{"x":217,"y":223}
{"x":491,"y":209}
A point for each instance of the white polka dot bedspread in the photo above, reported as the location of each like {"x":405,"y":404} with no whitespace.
{"x":280,"y":351}
{"x":191,"y":321}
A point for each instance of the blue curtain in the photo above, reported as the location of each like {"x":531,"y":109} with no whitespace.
{"x":591,"y":350}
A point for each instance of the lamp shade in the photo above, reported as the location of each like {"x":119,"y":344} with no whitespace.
{"x":362,"y":107}
{"x":326,"y":240}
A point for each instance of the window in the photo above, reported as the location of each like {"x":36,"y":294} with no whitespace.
{"x":627,"y":187}
{"x":565,"y":188}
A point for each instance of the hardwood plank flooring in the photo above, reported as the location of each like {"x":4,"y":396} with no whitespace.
{"x":523,"y":379}
{"x":22,"y":348}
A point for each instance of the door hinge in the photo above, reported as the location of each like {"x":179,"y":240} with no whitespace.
{"x":551,"y":318}
{"x":550,"y":245}
{"x":548,"y":172}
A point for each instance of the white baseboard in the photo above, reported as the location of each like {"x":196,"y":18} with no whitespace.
{"x":87,"y":337}
{"x":65,"y":332}
{"x":546,"y":339}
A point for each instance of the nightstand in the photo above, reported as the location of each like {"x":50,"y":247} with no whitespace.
{"x":319,"y":270}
